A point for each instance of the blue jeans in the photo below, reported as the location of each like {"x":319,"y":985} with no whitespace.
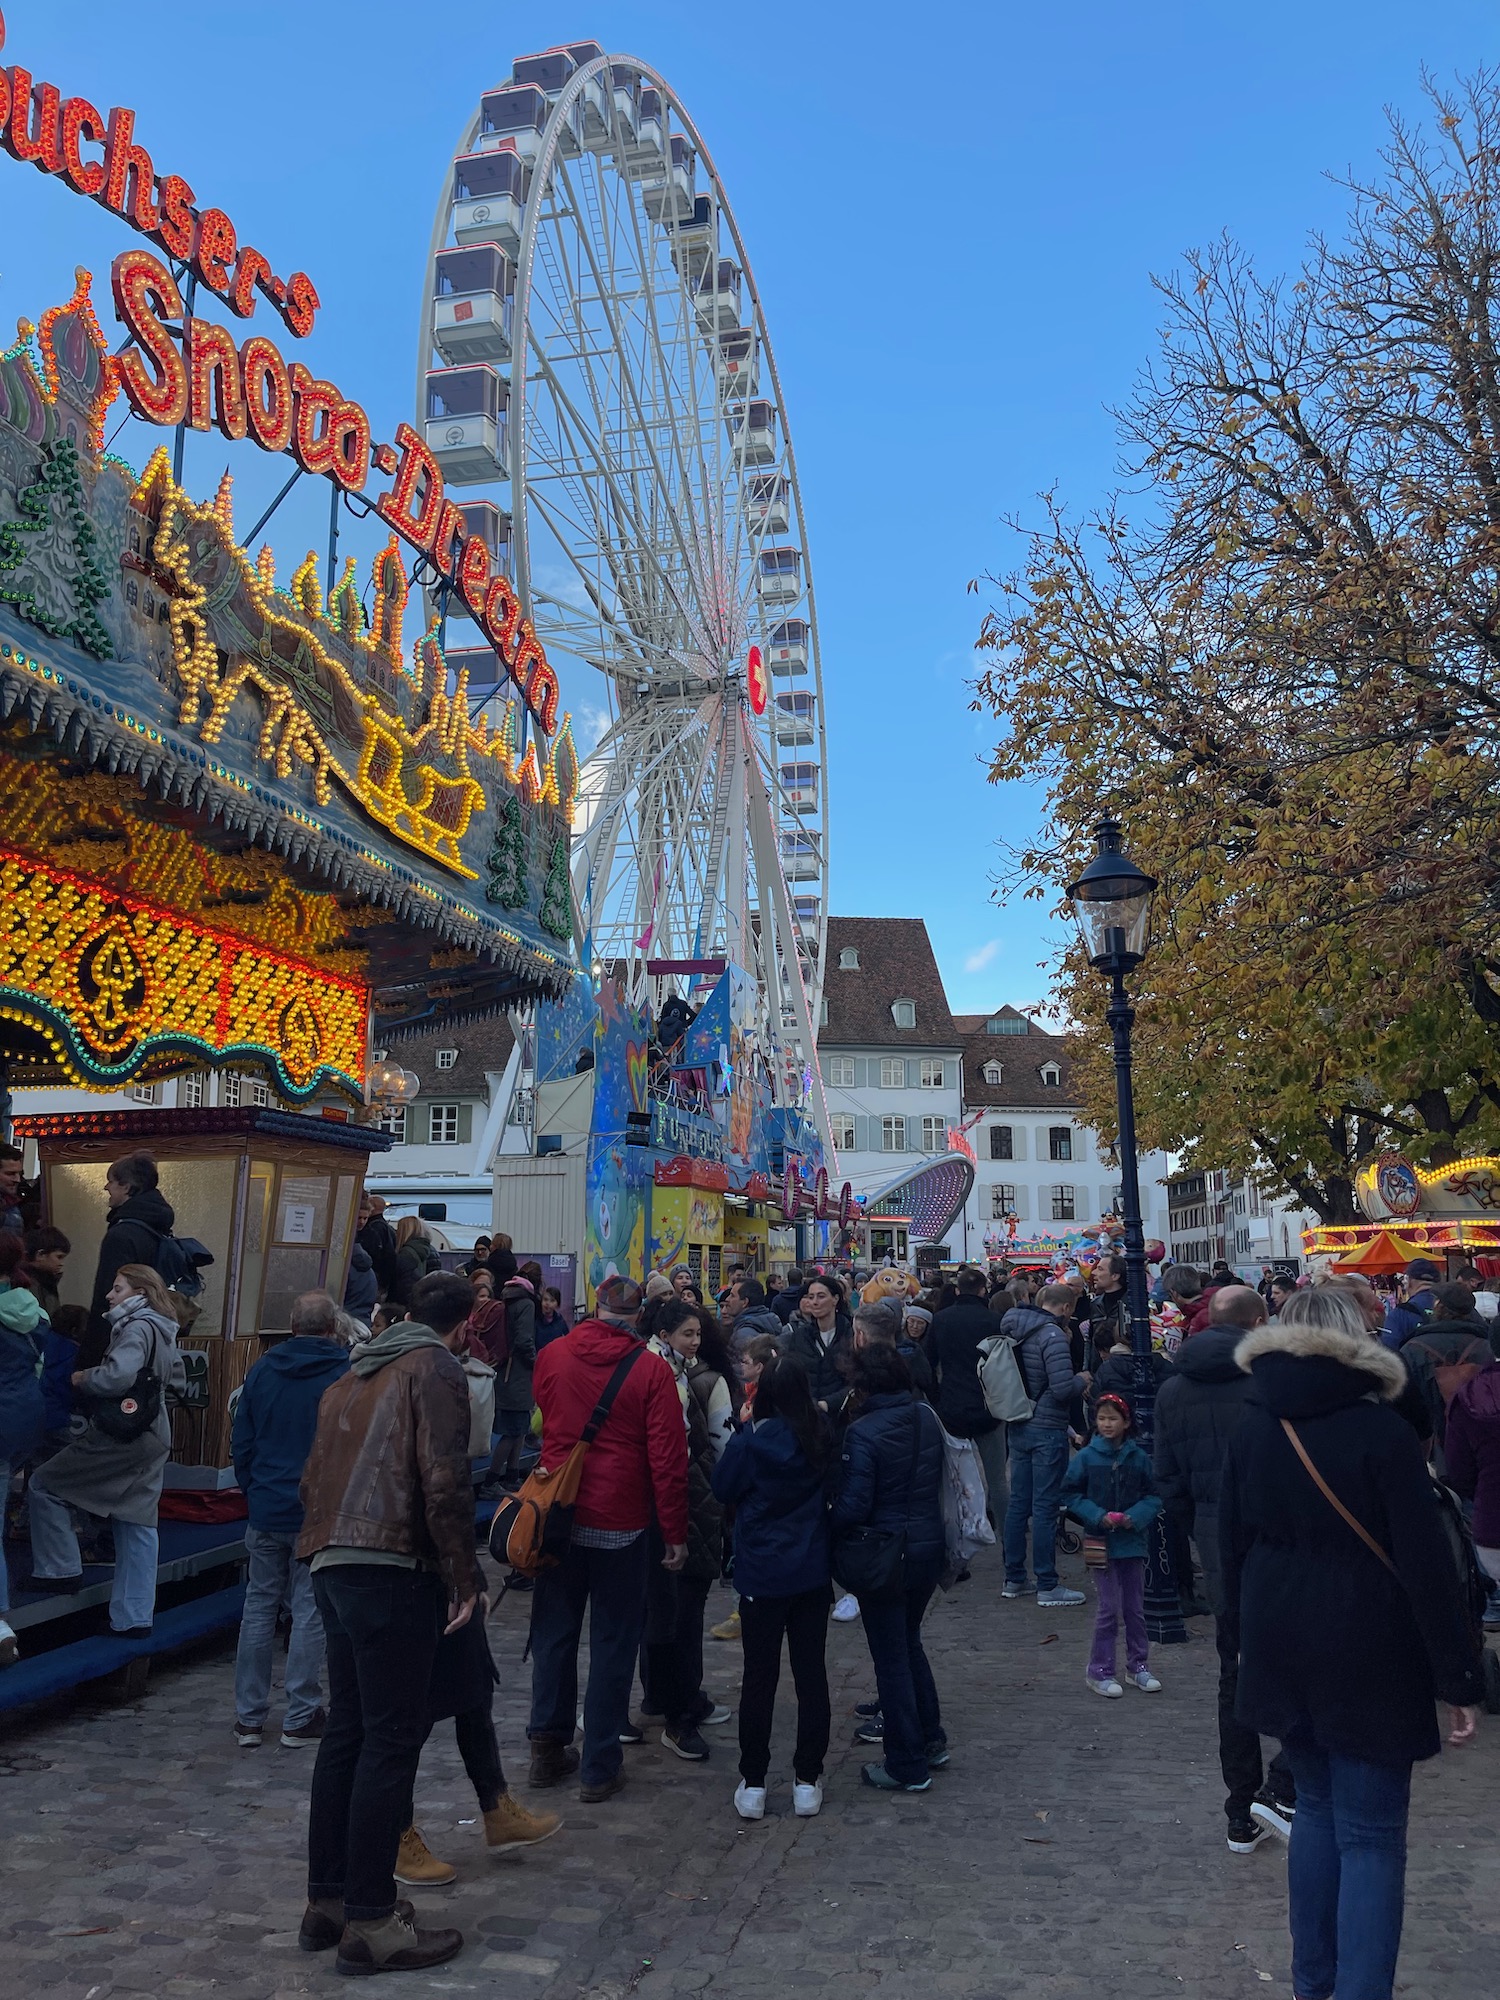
{"x":611,"y":1585}
{"x":1346,"y":1873}
{"x":54,"y":1552}
{"x":5,"y":1476}
{"x":1038,"y":1463}
{"x":275,"y":1577}
{"x":903,"y":1678}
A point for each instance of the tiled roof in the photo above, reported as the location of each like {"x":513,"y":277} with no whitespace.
{"x":895,"y":963}
{"x":1020,"y":1057}
{"x":483,"y":1046}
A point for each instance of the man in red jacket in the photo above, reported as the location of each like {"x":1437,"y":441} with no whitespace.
{"x":637,"y":1465}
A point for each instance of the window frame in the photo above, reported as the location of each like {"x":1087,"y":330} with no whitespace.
{"x":926,"y":1079}
{"x":1063,"y":1199}
{"x":1051,"y":1075}
{"x":841,"y":1072}
{"x":910,"y":1006}
{"x":1002,"y":1200}
{"x":446,"y":1059}
{"x":993,"y":1074}
{"x":1002,"y":1135}
{"x":934,"y":1128}
{"x":893,"y":1072}
{"x":393,"y":1120}
{"x":893,"y":1132}
{"x":438,"y":1112}
{"x":839,"y":1123}
{"x":1060,"y":1143}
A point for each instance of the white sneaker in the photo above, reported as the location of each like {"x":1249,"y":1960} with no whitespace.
{"x":1109,"y":1687}
{"x":717,"y":1714}
{"x":846,"y":1610}
{"x":1146,"y":1681}
{"x":750,"y":1800}
{"x":1059,"y":1595}
{"x":807,"y":1800}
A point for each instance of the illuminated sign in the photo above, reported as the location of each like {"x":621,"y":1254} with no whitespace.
{"x":186,"y":370}
{"x":115,"y":984}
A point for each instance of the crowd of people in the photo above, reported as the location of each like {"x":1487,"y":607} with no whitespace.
{"x":1319,"y":1473}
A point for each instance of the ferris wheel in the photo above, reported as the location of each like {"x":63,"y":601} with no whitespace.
{"x":594,"y":362}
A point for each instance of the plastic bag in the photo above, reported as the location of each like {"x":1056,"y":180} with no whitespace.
{"x":966,"y":1525}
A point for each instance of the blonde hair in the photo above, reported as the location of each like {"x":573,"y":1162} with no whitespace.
{"x":141,"y":1278}
{"x":408,"y":1227}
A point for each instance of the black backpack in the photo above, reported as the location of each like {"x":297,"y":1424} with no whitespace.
{"x":179,"y":1260}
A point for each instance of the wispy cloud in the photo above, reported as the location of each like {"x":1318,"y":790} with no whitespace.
{"x":978,"y":960}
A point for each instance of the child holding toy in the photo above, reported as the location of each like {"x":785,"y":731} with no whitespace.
{"x":1108,"y":1488}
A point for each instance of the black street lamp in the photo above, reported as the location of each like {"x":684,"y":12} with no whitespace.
{"x":1112,"y":905}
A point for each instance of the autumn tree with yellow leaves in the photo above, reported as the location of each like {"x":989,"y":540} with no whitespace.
{"x":1275,"y":654}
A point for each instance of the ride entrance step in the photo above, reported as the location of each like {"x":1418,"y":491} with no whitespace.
{"x":66,"y":1667}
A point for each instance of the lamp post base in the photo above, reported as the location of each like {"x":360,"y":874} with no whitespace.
{"x":1164,"y":1620}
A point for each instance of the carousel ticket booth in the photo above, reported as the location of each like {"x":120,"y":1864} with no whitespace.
{"x":249,"y":835}
{"x":271,"y":1194}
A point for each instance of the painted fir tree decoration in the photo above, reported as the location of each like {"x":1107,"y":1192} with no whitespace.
{"x":505,"y":867}
{"x":48,"y":568}
{"x":556,"y":913}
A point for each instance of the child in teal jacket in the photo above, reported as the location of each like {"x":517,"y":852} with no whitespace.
{"x":1109,"y":1489}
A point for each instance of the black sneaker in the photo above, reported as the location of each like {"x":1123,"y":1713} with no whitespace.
{"x":630,"y":1734}
{"x":871,"y":1730}
{"x":1245,"y":1836}
{"x":1275,"y":1817}
{"x":937,"y":1756}
{"x":863,"y":1708}
{"x":686,"y":1743}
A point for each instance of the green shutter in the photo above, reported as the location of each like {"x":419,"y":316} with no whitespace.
{"x":465,"y":1124}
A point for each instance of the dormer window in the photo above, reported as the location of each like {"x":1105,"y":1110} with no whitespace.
{"x":993,"y":1073}
{"x":848,"y":959}
{"x":904,"y":1013}
{"x":1051,"y":1075}
{"x":1005,"y":1024}
{"x":447,"y":1058}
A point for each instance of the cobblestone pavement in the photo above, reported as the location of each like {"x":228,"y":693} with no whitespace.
{"x":1074,"y":1848}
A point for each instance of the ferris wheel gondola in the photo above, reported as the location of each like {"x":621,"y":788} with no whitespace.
{"x":595,"y":368}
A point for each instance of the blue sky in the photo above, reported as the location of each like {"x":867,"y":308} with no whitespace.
{"x":953,"y":213}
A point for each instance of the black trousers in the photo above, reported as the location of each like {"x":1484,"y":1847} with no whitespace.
{"x":474,"y":1732}
{"x":382,"y":1626}
{"x":1239,"y":1746}
{"x":803,"y":1621}
{"x":672,"y":1667}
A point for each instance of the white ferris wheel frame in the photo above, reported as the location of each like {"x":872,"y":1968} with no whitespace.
{"x":748,"y":820}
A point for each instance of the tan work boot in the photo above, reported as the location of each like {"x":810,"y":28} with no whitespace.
{"x":730,"y":1629}
{"x":391,"y":1944}
{"x":510,"y":1825}
{"x":418,"y":1867}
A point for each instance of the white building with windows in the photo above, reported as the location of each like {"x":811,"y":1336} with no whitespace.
{"x":1036,"y":1158}
{"x":888,"y":1048}
{"x":472,"y":1105}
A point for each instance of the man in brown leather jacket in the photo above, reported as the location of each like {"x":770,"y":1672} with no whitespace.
{"x":389,"y":1530}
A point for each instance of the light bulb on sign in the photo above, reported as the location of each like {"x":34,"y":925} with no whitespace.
{"x":755,"y":680}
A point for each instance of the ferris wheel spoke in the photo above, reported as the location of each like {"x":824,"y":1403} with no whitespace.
{"x":629,"y":386}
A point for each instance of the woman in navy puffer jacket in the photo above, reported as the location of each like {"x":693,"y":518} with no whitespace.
{"x":773,"y":1472}
{"x":891,"y":1480}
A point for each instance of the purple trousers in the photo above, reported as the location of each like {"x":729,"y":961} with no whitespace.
{"x":1122,"y":1594}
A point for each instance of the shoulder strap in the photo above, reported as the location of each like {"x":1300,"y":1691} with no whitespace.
{"x":1334,"y":1501}
{"x":611,"y":1389}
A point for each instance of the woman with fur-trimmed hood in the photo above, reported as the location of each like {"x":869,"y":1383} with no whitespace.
{"x":1346,"y":1609}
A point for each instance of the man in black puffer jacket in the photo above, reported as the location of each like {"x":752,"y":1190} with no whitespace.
{"x":1198,"y":1410}
{"x":953,"y":1352}
{"x":139,"y":1217}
